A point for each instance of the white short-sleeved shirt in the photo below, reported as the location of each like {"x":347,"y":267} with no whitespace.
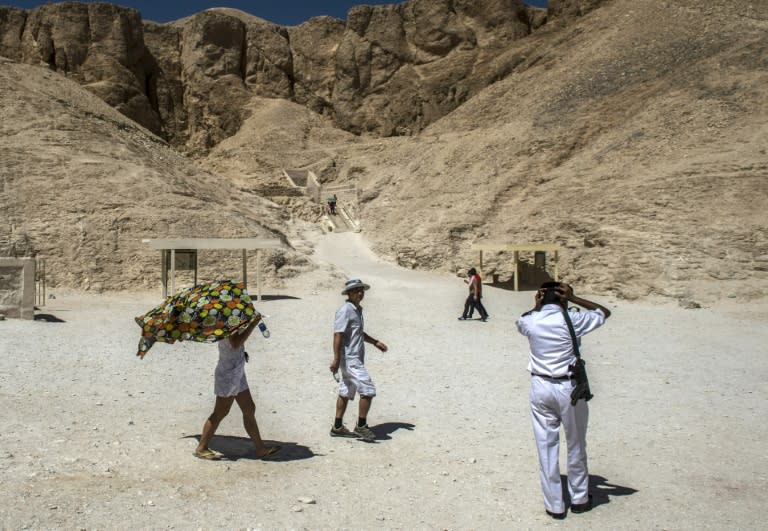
{"x":551,"y":347}
{"x":229,"y":379}
{"x":349,"y":322}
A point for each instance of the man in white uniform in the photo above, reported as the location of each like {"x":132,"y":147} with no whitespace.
{"x":551,"y":357}
{"x":349,"y":340}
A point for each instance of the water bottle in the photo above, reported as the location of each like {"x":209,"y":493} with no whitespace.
{"x":264,"y":329}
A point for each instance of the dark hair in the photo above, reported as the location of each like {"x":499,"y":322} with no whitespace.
{"x":550,"y":295}
{"x":472,"y":271}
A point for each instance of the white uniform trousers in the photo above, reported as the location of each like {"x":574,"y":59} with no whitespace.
{"x":551,"y":406}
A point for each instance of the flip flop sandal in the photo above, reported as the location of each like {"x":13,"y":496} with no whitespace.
{"x":272,"y":450}
{"x":208,"y":455}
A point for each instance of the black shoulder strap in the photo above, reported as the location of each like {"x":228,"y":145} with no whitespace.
{"x":573,"y":333}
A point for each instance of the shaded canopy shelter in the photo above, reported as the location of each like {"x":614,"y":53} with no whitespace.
{"x":517,"y":249}
{"x":185,"y":249}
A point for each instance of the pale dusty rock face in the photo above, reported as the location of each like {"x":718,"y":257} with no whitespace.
{"x":624,"y":132}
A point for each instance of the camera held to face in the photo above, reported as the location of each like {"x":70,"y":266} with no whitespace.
{"x":552,"y":293}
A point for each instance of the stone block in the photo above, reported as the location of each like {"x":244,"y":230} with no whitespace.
{"x":17,"y":287}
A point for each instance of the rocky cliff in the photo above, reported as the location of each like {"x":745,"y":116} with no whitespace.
{"x":389,"y":70}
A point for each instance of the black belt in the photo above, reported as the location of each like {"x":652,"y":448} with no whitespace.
{"x":559,"y":378}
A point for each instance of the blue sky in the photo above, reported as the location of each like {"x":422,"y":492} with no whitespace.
{"x":283,"y":12}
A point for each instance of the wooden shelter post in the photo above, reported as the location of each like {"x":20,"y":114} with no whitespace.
{"x":163,"y":273}
{"x":245,"y":268}
{"x":258,"y":274}
{"x":517,"y":270}
{"x":173,"y":270}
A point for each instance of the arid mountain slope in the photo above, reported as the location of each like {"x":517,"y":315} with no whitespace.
{"x":82,"y":185}
{"x":634,"y":137}
{"x":630,"y":132}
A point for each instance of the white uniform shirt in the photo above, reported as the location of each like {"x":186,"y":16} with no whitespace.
{"x":349,"y":321}
{"x":551,"y":347}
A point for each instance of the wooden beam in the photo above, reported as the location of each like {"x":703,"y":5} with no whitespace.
{"x":214,"y":243}
{"x":490,"y":246}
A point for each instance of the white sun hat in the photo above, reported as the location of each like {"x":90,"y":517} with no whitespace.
{"x":354,"y":284}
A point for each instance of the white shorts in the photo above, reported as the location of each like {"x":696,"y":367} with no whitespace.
{"x":355,"y":379}
{"x":229,"y":378}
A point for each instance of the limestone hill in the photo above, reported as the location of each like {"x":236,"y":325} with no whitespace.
{"x":82,"y":185}
{"x":629,"y":131}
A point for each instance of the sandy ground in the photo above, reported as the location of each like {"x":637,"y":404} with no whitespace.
{"x":93,"y":437}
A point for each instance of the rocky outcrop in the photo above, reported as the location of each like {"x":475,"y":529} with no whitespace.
{"x":314,"y":47}
{"x":389,"y":70}
{"x":401,"y":67}
{"x":101,"y":46}
{"x":11,"y":28}
{"x":564,"y":9}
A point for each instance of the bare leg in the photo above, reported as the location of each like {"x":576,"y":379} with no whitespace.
{"x":245,"y":401}
{"x":341,"y":406}
{"x":220,"y":410}
{"x":364,"y":406}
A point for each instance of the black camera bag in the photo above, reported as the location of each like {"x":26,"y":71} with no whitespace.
{"x":578,"y":368}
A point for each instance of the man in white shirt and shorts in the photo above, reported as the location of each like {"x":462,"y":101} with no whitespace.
{"x":349,"y":340}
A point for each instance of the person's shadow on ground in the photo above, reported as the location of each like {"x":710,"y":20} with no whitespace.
{"x":600,"y":489}
{"x":234,"y":448}
{"x":48,"y":318}
{"x":385,"y":429}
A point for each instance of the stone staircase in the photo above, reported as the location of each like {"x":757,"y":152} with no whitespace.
{"x":345,"y":219}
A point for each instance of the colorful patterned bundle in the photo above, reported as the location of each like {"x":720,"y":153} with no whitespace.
{"x":205,"y":313}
